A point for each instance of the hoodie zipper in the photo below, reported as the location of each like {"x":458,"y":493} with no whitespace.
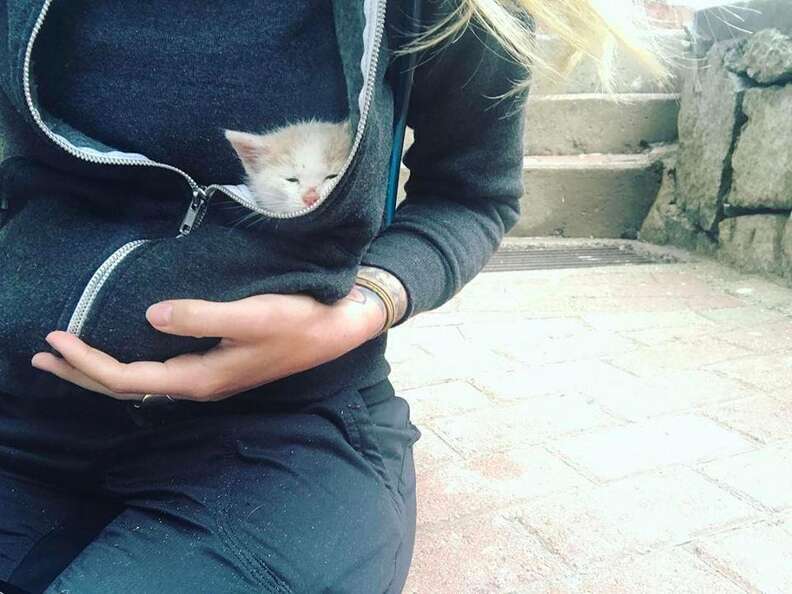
{"x":84,"y":305}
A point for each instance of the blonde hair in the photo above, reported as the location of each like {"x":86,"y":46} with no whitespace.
{"x":588,"y":29}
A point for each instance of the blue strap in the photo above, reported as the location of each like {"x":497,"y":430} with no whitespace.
{"x":405,"y":67}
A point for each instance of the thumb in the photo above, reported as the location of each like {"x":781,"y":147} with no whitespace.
{"x":192,"y":317}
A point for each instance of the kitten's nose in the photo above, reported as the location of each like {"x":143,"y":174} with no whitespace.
{"x":310,"y":197}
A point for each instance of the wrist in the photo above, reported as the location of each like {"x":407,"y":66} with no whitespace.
{"x":375,"y":319}
{"x":389,"y":290}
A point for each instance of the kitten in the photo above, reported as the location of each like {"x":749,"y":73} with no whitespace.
{"x":288,"y":168}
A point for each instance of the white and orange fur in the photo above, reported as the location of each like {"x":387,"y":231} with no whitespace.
{"x":289,"y":167}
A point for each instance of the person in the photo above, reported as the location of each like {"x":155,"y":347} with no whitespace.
{"x":276,"y":457}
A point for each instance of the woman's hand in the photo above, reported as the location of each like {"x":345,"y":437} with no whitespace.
{"x":263,"y":338}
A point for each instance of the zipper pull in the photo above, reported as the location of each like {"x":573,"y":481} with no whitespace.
{"x":195,"y":212}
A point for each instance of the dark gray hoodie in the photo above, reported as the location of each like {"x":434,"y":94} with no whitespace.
{"x":95,"y":235}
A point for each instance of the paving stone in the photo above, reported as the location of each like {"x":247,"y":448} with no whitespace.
{"x":764,"y":338}
{"x":764,"y":474}
{"x":620,"y":451}
{"x":686,"y":354}
{"x":434,"y":358}
{"x":763,"y":292}
{"x":630,"y":516}
{"x":674,"y":571}
{"x":460,"y":354}
{"x":479,"y":555}
{"x":646,"y":304}
{"x":588,"y":345}
{"x":513,"y":293}
{"x":530,"y":422}
{"x":783,"y":395}
{"x":630,"y":321}
{"x":410,"y":335}
{"x":766,"y":372}
{"x":431,"y":451}
{"x":745,"y":316}
{"x":448,"y":399}
{"x":698,"y":303}
{"x":554,"y":378}
{"x":687,"y":281}
{"x":491,"y":481}
{"x":656,"y":336}
{"x":517,"y":333}
{"x":757,"y":555}
{"x":763,"y":418}
{"x":638,"y":398}
{"x":785,"y":519}
{"x":640,"y":281}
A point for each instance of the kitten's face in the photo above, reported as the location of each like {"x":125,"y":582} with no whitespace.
{"x":290,"y":167}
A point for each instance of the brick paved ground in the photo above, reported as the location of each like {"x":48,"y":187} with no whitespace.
{"x":617,"y":430}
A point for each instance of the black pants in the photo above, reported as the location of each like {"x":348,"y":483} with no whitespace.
{"x":185,"y":497}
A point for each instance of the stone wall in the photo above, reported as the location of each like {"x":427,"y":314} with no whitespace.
{"x":728,"y":190}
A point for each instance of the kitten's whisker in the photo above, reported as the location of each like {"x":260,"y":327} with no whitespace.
{"x":244,"y":219}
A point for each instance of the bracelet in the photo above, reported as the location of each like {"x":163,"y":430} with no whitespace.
{"x":385,"y":297}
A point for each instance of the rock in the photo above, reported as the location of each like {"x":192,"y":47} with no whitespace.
{"x":738,"y":19}
{"x":786,"y":249}
{"x":754,"y":242}
{"x":709,"y":114}
{"x":765,"y":57}
{"x":666,"y":224}
{"x":762,"y":160}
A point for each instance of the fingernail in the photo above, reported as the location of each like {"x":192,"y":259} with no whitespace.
{"x":160,"y":314}
{"x":52,"y":336}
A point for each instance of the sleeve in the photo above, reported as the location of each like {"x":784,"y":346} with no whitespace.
{"x":465,"y":165}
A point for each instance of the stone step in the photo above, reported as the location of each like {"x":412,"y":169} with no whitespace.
{"x":602,"y":196}
{"x":631,"y":75}
{"x":582,"y":123}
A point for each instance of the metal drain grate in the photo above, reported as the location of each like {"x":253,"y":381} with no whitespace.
{"x":511,"y":257}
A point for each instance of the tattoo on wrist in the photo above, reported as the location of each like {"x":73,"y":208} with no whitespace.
{"x":358,"y":295}
{"x":363,"y":295}
{"x":391,"y":284}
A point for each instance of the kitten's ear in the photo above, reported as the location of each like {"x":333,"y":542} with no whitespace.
{"x":249,"y":147}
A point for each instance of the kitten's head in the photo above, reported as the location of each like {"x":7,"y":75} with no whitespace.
{"x":289,"y":167}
